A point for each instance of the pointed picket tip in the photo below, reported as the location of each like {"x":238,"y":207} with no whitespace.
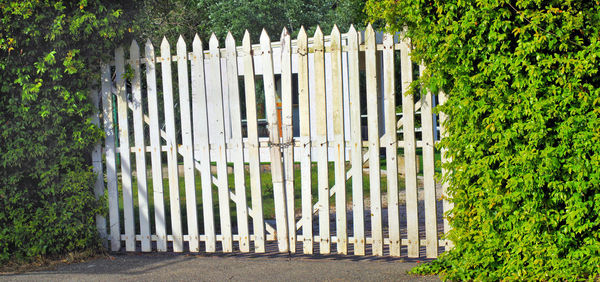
{"x":149,"y":45}
{"x":352,"y":29}
{"x":197,"y":43}
{"x":335,"y":30}
{"x":302,"y":33}
{"x":149,"y":49}
{"x":180,"y":40}
{"x":246,"y":39}
{"x":370,"y":29}
{"x":134,"y":48}
{"x":164,"y":43}
{"x":213,"y":41}
{"x":119,"y":52}
{"x":388,"y":38}
{"x":284,"y":33}
{"x":229,"y":38}
{"x":318,"y":32}
{"x":264,"y":36}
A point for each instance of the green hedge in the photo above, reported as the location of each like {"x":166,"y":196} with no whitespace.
{"x":49,"y":57}
{"x":524,"y":105}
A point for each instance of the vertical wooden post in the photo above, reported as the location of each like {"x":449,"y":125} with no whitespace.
{"x":275,"y":152}
{"x":165,"y":52}
{"x":140,"y":152}
{"x":429,"y":171}
{"x":201,"y":141}
{"x":448,"y":205}
{"x":288,"y":133}
{"x":186,"y":148}
{"x":97,"y":168}
{"x":215,"y":112}
{"x":305,"y":159}
{"x":124,"y":151}
{"x":391,"y":143}
{"x":237,"y":152}
{"x":258,"y":223}
{"x":372,"y":112}
{"x":111,"y":164}
{"x":155,"y":155}
{"x":321,"y":149}
{"x":339,"y":142}
{"x":410,"y":158}
{"x":356,"y":144}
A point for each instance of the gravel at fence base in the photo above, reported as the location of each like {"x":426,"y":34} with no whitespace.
{"x":234,"y":267}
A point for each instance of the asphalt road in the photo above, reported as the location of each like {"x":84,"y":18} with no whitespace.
{"x":238,"y":267}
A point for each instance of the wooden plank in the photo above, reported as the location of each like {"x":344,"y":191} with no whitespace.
{"x":275,"y":152}
{"x":305,"y":158}
{"x":155,"y":150}
{"x":201,"y":141}
{"x":124,"y":152}
{"x":391,"y":142}
{"x":356,"y":144}
{"x":186,"y":148}
{"x":171,"y":141}
{"x":321,"y":140}
{"x":97,"y":167}
{"x":237,"y":150}
{"x":429,"y":171}
{"x":253,"y":146}
{"x":111,"y":162}
{"x":215,"y":112}
{"x":447,"y":204}
{"x":288,"y":133}
{"x":373,"y":134}
{"x":140,"y":154}
{"x":410,"y":158}
{"x":339,"y":143}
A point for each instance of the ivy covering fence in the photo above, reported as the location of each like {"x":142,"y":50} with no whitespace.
{"x":523,"y":104}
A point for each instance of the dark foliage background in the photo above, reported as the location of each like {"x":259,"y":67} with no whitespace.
{"x":50,"y":56}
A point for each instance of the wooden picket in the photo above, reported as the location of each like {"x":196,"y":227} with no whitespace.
{"x":155,"y":150}
{"x":356,"y":144}
{"x":253,"y":146}
{"x":110,"y":156}
{"x":236,"y":141}
{"x":275,"y":151}
{"x":391,"y":143}
{"x":124,"y":151}
{"x":140,"y":152}
{"x":201,"y":142}
{"x":287,"y":133}
{"x":173,"y":171}
{"x":214,"y":99}
{"x":305,"y":165}
{"x":373,"y":134}
{"x":97,"y":165}
{"x":325,"y":127}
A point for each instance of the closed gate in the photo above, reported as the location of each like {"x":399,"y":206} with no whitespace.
{"x":340,"y":163}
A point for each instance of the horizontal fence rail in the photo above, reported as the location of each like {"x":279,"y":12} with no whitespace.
{"x":267,"y":147}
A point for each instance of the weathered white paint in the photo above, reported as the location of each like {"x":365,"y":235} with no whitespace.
{"x":253,"y":147}
{"x":140,"y":154}
{"x":276,"y":165}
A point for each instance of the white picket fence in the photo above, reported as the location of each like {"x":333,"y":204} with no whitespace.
{"x":328,"y":114}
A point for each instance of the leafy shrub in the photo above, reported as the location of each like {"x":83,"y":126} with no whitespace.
{"x":523,"y":99}
{"x":49,"y":57}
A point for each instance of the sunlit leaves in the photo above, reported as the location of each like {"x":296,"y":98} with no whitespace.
{"x":524,"y":91}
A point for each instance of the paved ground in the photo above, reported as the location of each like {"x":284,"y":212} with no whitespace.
{"x":173,"y":267}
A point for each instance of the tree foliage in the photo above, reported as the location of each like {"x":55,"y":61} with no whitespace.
{"x":524,"y":92}
{"x":157,"y":18}
{"x":50,"y":55}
